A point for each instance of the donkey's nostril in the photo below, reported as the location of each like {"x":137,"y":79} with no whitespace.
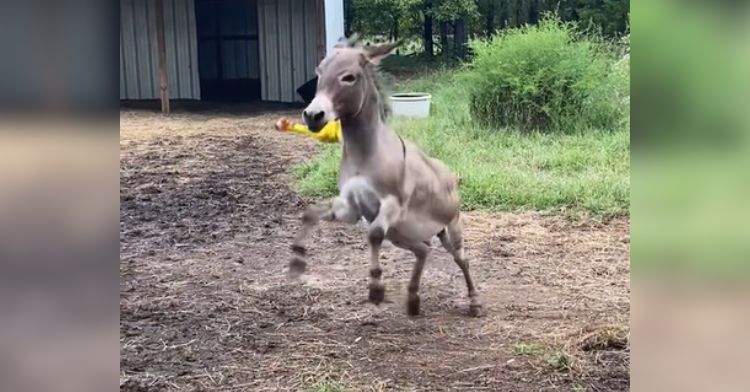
{"x":313,"y":116}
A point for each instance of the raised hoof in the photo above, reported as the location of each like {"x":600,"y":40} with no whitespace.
{"x":475,"y":310}
{"x":412,"y":306}
{"x":297,"y":267}
{"x":377,"y":294}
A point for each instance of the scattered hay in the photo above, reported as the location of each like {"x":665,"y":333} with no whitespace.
{"x":206,"y":220}
{"x":607,"y":338}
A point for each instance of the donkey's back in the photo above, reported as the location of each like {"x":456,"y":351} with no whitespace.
{"x":431,"y":196}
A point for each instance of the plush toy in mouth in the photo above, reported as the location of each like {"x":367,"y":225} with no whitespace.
{"x":331,"y":132}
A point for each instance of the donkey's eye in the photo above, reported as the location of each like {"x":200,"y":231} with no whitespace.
{"x":348,"y":78}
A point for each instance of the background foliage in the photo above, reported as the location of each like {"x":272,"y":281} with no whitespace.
{"x":534,"y":115}
{"x":432,"y":27}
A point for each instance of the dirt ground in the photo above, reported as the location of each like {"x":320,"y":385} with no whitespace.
{"x":206,"y":219}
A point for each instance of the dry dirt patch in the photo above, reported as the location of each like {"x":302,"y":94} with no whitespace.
{"x":206,"y":219}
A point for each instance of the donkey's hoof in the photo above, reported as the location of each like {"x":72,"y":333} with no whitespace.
{"x":412,"y":306}
{"x":297,"y":267}
{"x":475,"y":310}
{"x":377,"y":294}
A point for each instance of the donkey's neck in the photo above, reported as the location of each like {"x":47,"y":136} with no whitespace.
{"x":365,"y":134}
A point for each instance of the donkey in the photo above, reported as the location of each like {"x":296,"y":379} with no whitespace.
{"x":406,"y":197}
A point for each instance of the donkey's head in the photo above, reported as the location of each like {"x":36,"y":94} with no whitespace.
{"x":347,"y":84}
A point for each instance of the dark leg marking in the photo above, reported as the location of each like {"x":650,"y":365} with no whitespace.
{"x":297,"y":266}
{"x":475,"y":310}
{"x":377,"y":289}
{"x":376,"y":236}
{"x":299,"y":249}
{"x":412,"y":304}
{"x":376,"y":294}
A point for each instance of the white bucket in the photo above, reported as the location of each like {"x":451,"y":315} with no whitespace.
{"x":411,"y":104}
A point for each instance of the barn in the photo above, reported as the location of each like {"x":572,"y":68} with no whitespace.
{"x":237,"y":50}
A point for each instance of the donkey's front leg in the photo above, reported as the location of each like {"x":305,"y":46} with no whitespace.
{"x":334,"y":209}
{"x":387,"y":215}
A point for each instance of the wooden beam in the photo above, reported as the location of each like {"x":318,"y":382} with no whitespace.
{"x":162,"y":48}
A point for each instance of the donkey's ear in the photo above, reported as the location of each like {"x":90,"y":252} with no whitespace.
{"x":353,"y":39}
{"x":348,"y":42}
{"x":377,"y":53}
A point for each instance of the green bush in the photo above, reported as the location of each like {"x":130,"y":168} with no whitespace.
{"x":547,"y":77}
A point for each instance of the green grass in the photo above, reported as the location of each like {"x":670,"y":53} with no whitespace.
{"x":578,"y":388}
{"x":502,"y":169}
{"x":527,"y":349}
{"x":328,"y":386}
{"x":556,"y":359}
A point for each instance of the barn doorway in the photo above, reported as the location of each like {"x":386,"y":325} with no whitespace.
{"x":228,"y":56}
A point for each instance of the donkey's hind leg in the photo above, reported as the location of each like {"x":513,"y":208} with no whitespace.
{"x":334,"y":209}
{"x":421,"y":251}
{"x":453,"y":242}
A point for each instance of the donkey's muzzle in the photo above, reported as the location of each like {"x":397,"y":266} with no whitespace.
{"x":315,"y":120}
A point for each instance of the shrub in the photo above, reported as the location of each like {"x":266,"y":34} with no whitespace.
{"x":546,"y":77}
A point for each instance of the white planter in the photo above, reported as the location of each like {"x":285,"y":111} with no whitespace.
{"x":411,"y":104}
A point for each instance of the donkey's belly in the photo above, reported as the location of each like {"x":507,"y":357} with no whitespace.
{"x":416,"y":230}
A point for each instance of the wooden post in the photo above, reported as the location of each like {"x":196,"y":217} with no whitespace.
{"x":162,"y":48}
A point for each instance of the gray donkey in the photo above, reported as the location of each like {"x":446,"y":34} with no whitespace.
{"x":406,"y":196}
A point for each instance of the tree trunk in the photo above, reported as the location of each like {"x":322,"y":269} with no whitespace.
{"x":348,"y":17}
{"x":489,"y":24}
{"x":444,"y":38}
{"x":428,"y":43}
{"x":534,"y":12}
{"x":513,"y":13}
{"x":460,"y":38}
{"x":503,"y":17}
{"x":395,"y":28}
{"x":521,"y":13}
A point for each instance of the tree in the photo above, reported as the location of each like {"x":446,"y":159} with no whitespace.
{"x":489,"y":17}
{"x":427,"y":31}
{"x":610,"y":15}
{"x":460,"y":14}
{"x":376,"y":18}
{"x":444,"y":44}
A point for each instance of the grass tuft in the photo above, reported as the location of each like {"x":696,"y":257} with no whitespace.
{"x":578,"y":388}
{"x":527,"y":349}
{"x":328,"y":386}
{"x":558,"y":360}
{"x":609,"y":338}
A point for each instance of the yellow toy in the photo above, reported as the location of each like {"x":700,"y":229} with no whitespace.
{"x":331,"y":132}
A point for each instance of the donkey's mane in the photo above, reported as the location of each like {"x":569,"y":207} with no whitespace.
{"x":382,"y":81}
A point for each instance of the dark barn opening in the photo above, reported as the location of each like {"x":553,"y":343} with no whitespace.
{"x":228,"y":56}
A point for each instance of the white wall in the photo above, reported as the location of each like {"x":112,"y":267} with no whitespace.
{"x":334,"y":17}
